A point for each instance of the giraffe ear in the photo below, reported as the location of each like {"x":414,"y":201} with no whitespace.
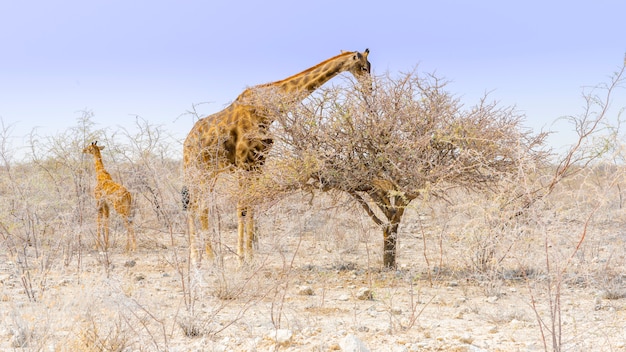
{"x":100,"y":147}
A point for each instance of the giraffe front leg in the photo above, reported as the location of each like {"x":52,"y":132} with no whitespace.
{"x":249,"y":235}
{"x":102,"y":227}
{"x":195,"y":257}
{"x":105,"y":216}
{"x":241,"y":214}
{"x":131,"y":241}
{"x":206,"y":238}
{"x":99,"y":231}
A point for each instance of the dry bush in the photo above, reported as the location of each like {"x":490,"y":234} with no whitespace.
{"x":405,"y":139}
{"x":47,"y":215}
{"x":514,"y":211}
{"x":477,"y":205}
{"x":94,"y":337}
{"x":582,"y":170}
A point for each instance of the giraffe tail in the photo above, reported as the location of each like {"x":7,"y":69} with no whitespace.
{"x":185,"y":197}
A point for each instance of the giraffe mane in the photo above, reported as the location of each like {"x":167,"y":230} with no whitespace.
{"x":310,"y":69}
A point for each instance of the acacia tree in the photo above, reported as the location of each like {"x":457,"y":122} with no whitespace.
{"x":404,"y":138}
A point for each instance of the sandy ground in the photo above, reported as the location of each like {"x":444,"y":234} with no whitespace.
{"x":315,"y":284}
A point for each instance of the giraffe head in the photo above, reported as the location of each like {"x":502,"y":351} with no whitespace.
{"x":359,"y":67}
{"x":358,"y":64}
{"x":93,"y":148}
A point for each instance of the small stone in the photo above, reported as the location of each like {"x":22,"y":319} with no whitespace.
{"x":466,"y":338}
{"x":334,"y":347}
{"x":351,"y":343}
{"x":130,"y":263}
{"x":305,"y":290}
{"x":364,"y":294}
{"x":459,"y":302}
{"x":459,"y":314}
{"x":282,"y":337}
{"x":597,"y":300}
{"x":222,"y":346}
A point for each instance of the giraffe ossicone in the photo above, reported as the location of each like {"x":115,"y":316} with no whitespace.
{"x":237,"y":138}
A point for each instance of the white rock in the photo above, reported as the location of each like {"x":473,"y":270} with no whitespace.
{"x":343,"y":298}
{"x":400,"y":349}
{"x":305,"y":290}
{"x":473,"y":348}
{"x":364,"y":293}
{"x":466,"y":338}
{"x":281,"y":337}
{"x":351,"y":343}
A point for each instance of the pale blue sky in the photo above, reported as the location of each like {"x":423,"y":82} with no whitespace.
{"x":155,"y":59}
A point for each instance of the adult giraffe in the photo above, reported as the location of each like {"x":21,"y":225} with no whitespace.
{"x":237,"y":138}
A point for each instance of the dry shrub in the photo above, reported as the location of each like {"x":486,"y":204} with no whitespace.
{"x":94,"y":337}
{"x":470,"y":186}
{"x":405,"y":139}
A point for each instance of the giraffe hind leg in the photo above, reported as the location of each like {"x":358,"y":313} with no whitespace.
{"x":249,"y":234}
{"x":195,"y":250}
{"x":204,"y":227}
{"x":194,"y":256}
{"x":103,"y":225}
{"x":197,"y":205}
{"x":99,"y":231}
{"x":241,"y":214}
{"x":245,"y":233}
{"x":127,"y":212}
{"x":131,"y":241}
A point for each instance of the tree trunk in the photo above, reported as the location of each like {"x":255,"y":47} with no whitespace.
{"x":390,"y":235}
{"x":393,"y":208}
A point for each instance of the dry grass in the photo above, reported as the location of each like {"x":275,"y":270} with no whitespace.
{"x":453,"y":264}
{"x":466,"y":274}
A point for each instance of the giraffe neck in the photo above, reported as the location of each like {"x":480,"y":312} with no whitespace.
{"x":101,"y":172}
{"x":312,"y":78}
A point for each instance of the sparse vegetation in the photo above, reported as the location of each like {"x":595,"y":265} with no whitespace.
{"x":406,"y":139}
{"x":494,"y":243}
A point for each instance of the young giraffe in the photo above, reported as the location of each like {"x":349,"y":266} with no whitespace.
{"x":237,"y":138}
{"x":108,"y":191}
